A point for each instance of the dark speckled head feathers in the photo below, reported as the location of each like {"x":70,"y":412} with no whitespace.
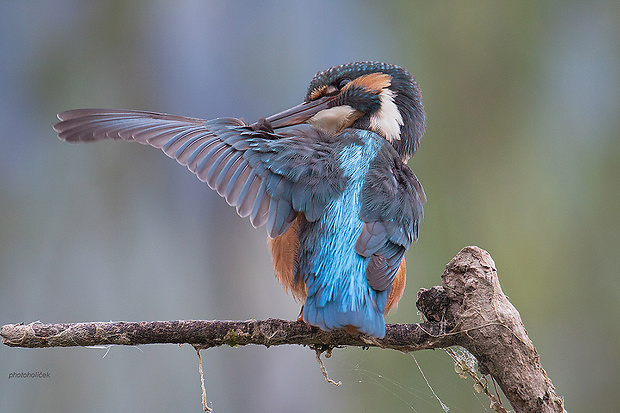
{"x":387,"y":98}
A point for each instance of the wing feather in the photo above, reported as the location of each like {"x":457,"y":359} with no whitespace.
{"x":392,"y":210}
{"x":266,"y":176}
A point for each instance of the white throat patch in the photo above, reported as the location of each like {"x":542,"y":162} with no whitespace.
{"x":388,"y":120}
{"x":335,"y":119}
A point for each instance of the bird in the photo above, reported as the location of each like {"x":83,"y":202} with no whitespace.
{"x":328,"y":179}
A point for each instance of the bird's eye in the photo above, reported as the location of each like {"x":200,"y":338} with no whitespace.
{"x":343,"y":82}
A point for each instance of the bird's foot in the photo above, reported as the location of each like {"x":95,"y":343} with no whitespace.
{"x":262,"y":125}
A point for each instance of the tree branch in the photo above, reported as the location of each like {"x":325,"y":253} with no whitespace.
{"x":206,"y":334}
{"x":469,"y":310}
{"x":490,"y":327}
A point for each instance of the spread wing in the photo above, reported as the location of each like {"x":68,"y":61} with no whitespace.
{"x":392,"y":210}
{"x":269,"y":177}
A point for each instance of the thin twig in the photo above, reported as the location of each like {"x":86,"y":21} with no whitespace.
{"x":202,"y":383}
{"x":442,"y":404}
{"x":462,"y":367}
{"x":324,"y":370}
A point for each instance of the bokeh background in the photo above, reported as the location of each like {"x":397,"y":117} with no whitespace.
{"x":521,"y":157}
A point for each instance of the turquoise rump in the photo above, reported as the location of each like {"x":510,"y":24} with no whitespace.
{"x":334,"y":273}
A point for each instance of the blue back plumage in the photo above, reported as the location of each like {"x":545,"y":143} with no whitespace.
{"x":335,"y":274}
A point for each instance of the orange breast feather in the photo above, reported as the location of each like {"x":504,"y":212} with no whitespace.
{"x":398,"y":287}
{"x":283,"y":251}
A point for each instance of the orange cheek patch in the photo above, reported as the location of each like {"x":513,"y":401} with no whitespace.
{"x":374,"y":82}
{"x":317,"y":93}
{"x":321,"y":91}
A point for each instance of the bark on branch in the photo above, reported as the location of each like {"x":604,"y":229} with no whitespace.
{"x":469,"y":310}
{"x":206,"y":334}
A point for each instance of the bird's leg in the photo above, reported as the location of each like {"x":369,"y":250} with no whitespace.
{"x":300,"y":317}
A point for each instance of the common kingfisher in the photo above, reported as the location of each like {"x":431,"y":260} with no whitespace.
{"x":340,"y":204}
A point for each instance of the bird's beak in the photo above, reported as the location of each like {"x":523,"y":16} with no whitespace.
{"x":301,"y":113}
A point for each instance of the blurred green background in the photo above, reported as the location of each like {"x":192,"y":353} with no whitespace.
{"x":520,"y":158}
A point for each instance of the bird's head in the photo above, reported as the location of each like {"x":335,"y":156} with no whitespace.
{"x":374,"y":96}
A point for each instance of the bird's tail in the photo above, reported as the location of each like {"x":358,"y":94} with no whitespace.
{"x":364,"y":313}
